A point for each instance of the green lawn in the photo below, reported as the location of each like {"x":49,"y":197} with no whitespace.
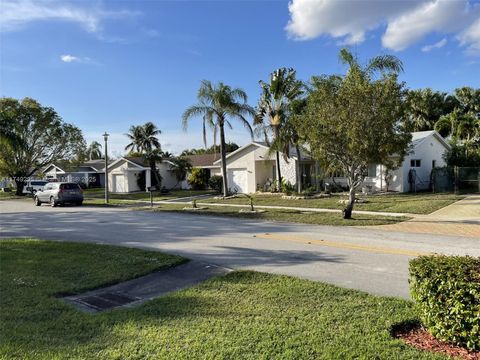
{"x":9,"y":195}
{"x":422,"y":203}
{"x":100,"y":193}
{"x":242,"y":315}
{"x":286,"y":215}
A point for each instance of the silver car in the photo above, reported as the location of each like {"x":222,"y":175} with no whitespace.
{"x":59,"y":193}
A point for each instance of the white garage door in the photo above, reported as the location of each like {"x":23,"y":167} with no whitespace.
{"x":237,"y":180}
{"x":118,"y":183}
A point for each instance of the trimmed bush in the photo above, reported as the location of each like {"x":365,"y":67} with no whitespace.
{"x":215,"y":183}
{"x":446,"y":290}
{"x":198,"y":179}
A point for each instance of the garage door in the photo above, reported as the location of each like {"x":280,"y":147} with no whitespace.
{"x":118,"y":183}
{"x":237,"y":180}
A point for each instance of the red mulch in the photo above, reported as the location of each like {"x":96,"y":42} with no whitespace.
{"x":421,"y":339}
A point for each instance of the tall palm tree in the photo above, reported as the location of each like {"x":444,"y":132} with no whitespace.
{"x":135,"y":134}
{"x":273,"y":109}
{"x":217,"y":103}
{"x":145,"y":141}
{"x":94,"y":151}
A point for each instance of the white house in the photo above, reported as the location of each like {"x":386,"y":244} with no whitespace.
{"x":124,"y":174}
{"x":251,"y":168}
{"x":90,"y":173}
{"x":426,"y":152}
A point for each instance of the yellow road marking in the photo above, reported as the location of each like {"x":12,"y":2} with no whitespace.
{"x":342,"y":245}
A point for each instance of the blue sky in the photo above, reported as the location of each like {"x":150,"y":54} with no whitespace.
{"x":106,"y":65}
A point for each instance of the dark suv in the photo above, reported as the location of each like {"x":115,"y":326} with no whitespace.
{"x":59,"y":193}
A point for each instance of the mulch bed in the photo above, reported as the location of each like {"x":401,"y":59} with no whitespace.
{"x":420,"y":338}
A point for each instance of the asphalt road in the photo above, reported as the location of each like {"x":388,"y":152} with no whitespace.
{"x":367,"y":259}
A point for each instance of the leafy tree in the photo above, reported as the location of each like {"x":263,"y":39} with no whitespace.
{"x":273,"y":110}
{"x":154,"y":156}
{"x":37,"y":136}
{"x":216,"y":105}
{"x":94,"y":151}
{"x":214,"y":149}
{"x":424,"y":107}
{"x":198,"y":179}
{"x":354,"y":120}
{"x":180,"y":168}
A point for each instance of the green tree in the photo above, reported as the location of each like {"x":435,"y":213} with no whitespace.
{"x":38,"y":137}
{"x":181,"y":166}
{"x":355,"y":120}
{"x":144,"y":139}
{"x":94,"y":151}
{"x":424,"y":107}
{"x":216,"y":105}
{"x":214,"y":149}
{"x":273,"y":110}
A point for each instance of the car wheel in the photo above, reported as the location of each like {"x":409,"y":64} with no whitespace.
{"x":37,"y":201}
{"x":52,"y":202}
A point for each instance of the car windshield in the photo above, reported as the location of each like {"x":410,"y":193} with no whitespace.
{"x":69,"y":186}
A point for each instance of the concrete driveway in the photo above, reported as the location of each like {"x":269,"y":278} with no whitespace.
{"x":461,"y":218}
{"x":367,"y":259}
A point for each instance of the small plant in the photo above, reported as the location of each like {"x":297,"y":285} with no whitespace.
{"x":215,"y":183}
{"x":287,"y":187}
{"x":446,"y":290}
{"x":194,"y":204}
{"x":198,"y":179}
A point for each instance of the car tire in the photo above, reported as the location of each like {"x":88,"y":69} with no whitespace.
{"x":52,"y":202}
{"x":36,"y":201}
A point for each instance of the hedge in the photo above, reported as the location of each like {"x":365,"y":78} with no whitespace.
{"x":446,"y":290}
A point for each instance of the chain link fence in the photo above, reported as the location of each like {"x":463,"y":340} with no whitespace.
{"x":460,"y":180}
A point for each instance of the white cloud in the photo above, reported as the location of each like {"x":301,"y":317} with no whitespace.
{"x":437,"y":45}
{"x":470,"y":38}
{"x":69,"y":58}
{"x":406,"y":22}
{"x":17,"y":13}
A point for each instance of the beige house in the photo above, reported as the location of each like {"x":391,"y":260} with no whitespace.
{"x":251,"y":168}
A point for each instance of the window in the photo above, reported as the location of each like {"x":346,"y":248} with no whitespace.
{"x":69,"y":186}
{"x":372,"y":170}
{"x":434,"y":163}
{"x":415,"y":163}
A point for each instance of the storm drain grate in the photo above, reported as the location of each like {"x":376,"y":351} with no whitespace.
{"x":106,"y":300}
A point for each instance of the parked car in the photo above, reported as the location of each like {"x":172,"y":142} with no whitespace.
{"x":59,"y":193}
{"x":32,"y":186}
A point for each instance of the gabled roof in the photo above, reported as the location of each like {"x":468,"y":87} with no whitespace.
{"x":203,"y":160}
{"x":292,"y":154}
{"x":137,"y":161}
{"x":419,"y":137}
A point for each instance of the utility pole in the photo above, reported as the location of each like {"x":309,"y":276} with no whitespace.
{"x":105,"y":137}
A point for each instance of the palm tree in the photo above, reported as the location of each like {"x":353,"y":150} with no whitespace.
{"x":216,"y":105}
{"x":144,"y":140}
{"x":94,"y":151}
{"x":180,"y":168}
{"x":135,"y":134}
{"x":273,"y":109}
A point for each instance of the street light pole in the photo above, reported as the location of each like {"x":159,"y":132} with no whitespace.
{"x":105,"y":137}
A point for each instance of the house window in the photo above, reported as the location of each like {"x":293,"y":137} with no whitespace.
{"x":415,"y":163}
{"x":434,"y":164}
{"x":372,"y":170}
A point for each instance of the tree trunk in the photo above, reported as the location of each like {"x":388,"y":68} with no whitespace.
{"x":279,"y":174}
{"x":223,"y":155}
{"x":298,"y":170}
{"x":20,"y":185}
{"x":347,"y":212}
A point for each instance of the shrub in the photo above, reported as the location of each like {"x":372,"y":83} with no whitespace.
{"x":198,"y":179}
{"x":287,"y":187}
{"x":215,"y":183}
{"x":446,"y":290}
